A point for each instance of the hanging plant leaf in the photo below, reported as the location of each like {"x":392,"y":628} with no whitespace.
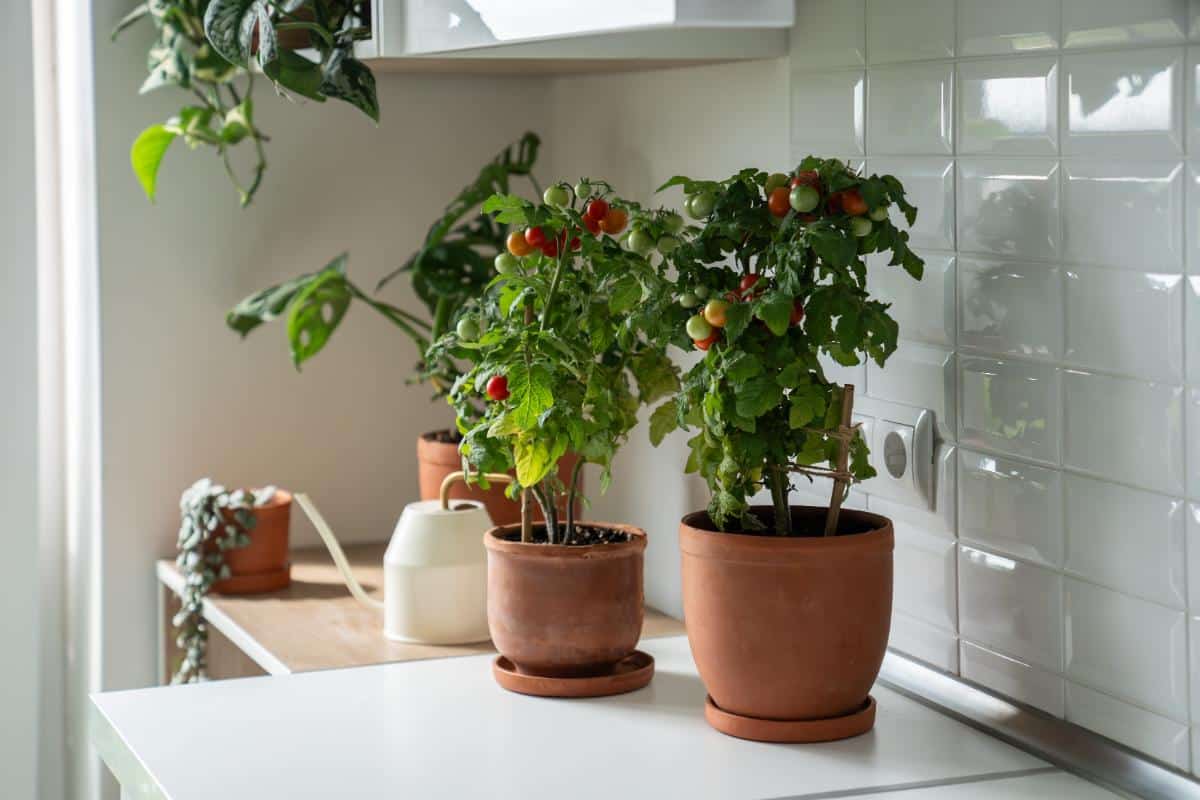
{"x":297,"y":74}
{"x":315,"y":314}
{"x":347,"y":78}
{"x":146,"y":156}
{"x":240,"y":30}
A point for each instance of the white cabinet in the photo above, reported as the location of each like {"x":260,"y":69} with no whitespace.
{"x":569,"y":35}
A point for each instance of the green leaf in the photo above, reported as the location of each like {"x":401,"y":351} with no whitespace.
{"x":533,"y":460}
{"x":315,"y":314}
{"x":737,"y":317}
{"x":806,"y":404}
{"x":138,"y":11}
{"x":508,"y":209}
{"x":626,"y":293}
{"x":347,"y":78}
{"x":272,"y":302}
{"x":663,"y":420}
{"x":757,"y":396}
{"x":297,"y":74}
{"x":655,"y":374}
{"x":530,"y":394}
{"x":146,"y":156}
{"x":776,"y":310}
{"x":741,"y":366}
{"x":240,"y":29}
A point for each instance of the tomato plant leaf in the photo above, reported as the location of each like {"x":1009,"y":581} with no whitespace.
{"x":532,"y":458}
{"x":530,"y":394}
{"x":775,"y":309}
{"x":663,"y":420}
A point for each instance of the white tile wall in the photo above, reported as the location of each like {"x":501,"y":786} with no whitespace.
{"x":1053,"y":148}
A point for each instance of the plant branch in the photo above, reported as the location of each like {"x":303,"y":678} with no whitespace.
{"x":576,"y":471}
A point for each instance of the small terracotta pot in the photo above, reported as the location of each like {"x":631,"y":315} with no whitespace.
{"x":559,"y":611}
{"x":437,"y":459}
{"x":788,"y":628}
{"x":262,"y":565}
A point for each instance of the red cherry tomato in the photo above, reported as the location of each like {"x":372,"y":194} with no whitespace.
{"x":517,"y":244}
{"x":835,"y":203}
{"x":704,"y":344}
{"x":550,"y":249}
{"x":575,"y":243}
{"x":809,"y":177}
{"x":614,"y":221}
{"x":797,"y":313}
{"x":853,"y":203}
{"x":596,"y":209}
{"x":748,"y":282}
{"x":535,"y":236}
{"x":593,"y":226}
{"x":777,"y":203}
{"x":497,"y":388}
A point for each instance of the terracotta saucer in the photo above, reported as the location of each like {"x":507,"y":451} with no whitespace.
{"x":632,"y":672}
{"x":255,"y":582}
{"x":795,"y":731}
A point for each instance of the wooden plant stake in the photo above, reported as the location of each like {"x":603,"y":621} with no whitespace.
{"x":843,"y":461}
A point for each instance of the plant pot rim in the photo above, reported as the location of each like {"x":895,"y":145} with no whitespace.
{"x":428,"y":436}
{"x":699,"y":541}
{"x":282,"y":497}
{"x":494,"y":542}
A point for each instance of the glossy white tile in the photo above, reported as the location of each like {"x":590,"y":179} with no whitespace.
{"x":1123,"y":214}
{"x":911,"y":109}
{"x":1058,"y":785}
{"x":1011,"y":407}
{"x":1192,"y":400}
{"x":941,"y":520}
{"x":1161,"y":738}
{"x":1010,"y":307}
{"x":1124,"y":104}
{"x":1010,"y":507}
{"x":918,"y":375}
{"x":1127,"y":539}
{"x":1024,"y":682}
{"x":1191,"y":227}
{"x":924,"y":309}
{"x":910,"y":31}
{"x":1130,"y":648}
{"x":828,"y":35}
{"x":920,"y":640}
{"x":1118,"y":23}
{"x":1191,"y":289}
{"x":1127,"y":430}
{"x":1008,"y":106}
{"x":928,"y":185}
{"x":1124,"y":321}
{"x":827,"y":113}
{"x":1009,"y":207}
{"x":855,"y":375}
{"x":925,"y":580}
{"x":1194,"y":656}
{"x":1010,"y":606}
{"x":1014,"y":26}
{"x":1192,"y":516}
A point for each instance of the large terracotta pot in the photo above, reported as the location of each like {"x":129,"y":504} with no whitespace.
{"x":436,"y":459}
{"x":262,"y":565}
{"x":788,"y":628}
{"x":562,"y":611}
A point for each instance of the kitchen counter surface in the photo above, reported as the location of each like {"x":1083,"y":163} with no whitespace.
{"x":444,"y":729}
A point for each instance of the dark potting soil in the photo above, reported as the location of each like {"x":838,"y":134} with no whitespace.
{"x":805,"y":523}
{"x":443,"y":436}
{"x":584,"y":535}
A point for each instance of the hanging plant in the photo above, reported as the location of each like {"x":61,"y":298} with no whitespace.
{"x":212,"y":521}
{"x":218,"y":50}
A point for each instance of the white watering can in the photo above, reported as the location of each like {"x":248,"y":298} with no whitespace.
{"x":434,"y":570}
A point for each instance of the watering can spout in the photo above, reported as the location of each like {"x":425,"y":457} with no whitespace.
{"x":335,"y":550}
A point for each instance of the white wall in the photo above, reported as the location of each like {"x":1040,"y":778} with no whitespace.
{"x":19,"y":684}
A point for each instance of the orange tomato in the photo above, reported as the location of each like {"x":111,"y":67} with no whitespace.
{"x":853,"y":203}
{"x":517,"y":244}
{"x":614,"y":221}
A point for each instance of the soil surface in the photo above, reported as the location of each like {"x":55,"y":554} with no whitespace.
{"x":584,"y":535}
{"x":806,"y":522}
{"x":445,"y":436}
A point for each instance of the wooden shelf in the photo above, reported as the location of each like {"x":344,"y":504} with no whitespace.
{"x":314,"y":624}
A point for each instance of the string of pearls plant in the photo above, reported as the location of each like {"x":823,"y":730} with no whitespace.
{"x":212,"y":520}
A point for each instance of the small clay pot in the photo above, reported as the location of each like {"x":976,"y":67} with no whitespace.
{"x":788,"y":628}
{"x":437,"y":459}
{"x":262,"y":565}
{"x":564,"y":611}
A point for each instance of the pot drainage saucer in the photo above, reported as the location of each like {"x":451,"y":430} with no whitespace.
{"x":795,"y":731}
{"x":630,"y":673}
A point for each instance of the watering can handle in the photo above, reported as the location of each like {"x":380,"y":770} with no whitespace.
{"x":335,"y":550}
{"x":455,"y":477}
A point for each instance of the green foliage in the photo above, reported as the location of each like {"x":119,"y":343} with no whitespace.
{"x":573,"y":331}
{"x":453,"y":266}
{"x":759,"y":400}
{"x":212,"y":520}
{"x":213,"y":50}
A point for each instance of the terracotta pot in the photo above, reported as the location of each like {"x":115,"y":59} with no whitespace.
{"x":788,"y":628}
{"x":262,"y":565}
{"x":562,"y":611}
{"x":437,"y":459}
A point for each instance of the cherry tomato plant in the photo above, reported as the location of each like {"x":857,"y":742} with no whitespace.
{"x":567,"y":348}
{"x":784,"y":289}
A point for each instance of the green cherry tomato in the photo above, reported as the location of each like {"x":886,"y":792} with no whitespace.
{"x":666,"y":244}
{"x":774,"y":181}
{"x":879,"y":214}
{"x":689,"y":300}
{"x":701,"y":205}
{"x":506,"y":263}
{"x":467,"y":329}
{"x":583,"y":189}
{"x":557,"y":195}
{"x":804,"y":199}
{"x":673,"y":222}
{"x":641,"y":242}
{"x":860,"y":226}
{"x":698,"y":327}
{"x":701,"y":292}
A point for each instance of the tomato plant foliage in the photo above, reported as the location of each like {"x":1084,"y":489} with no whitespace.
{"x":759,"y":402}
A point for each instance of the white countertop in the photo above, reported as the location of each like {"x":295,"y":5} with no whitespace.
{"x":444,"y":729}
